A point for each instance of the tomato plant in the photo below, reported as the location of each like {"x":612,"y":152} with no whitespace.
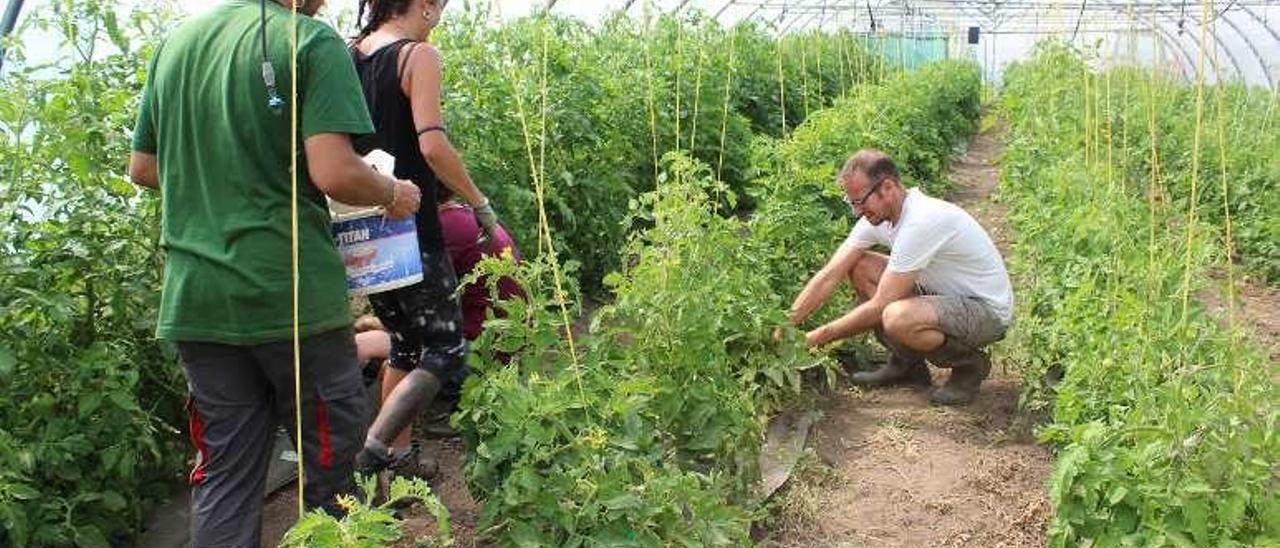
{"x":88,"y":423}
{"x":616,"y":99}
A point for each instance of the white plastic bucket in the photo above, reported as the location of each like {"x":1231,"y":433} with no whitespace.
{"x":380,"y":255}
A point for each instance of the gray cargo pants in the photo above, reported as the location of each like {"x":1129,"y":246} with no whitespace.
{"x":239,"y":394}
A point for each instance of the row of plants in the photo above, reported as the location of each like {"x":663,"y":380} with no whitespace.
{"x":646,"y":431}
{"x":1166,"y":419}
{"x":1131,"y":112}
{"x":615,"y":98}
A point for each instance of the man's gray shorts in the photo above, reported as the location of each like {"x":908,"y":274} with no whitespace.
{"x":239,"y":394}
{"x":967,"y":319}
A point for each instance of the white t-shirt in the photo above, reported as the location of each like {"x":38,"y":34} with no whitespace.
{"x":950,"y":250}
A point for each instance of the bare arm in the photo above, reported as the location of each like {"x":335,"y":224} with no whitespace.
{"x":339,"y":173}
{"x":421,"y":83}
{"x":825,"y":282}
{"x":372,"y":345}
{"x":893,"y":286}
{"x":143,"y":170}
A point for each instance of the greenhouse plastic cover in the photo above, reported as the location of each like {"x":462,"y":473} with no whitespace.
{"x":1241,"y":37}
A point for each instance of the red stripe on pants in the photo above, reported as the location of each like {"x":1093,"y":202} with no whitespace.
{"x":322,"y":424}
{"x":197,"y":439}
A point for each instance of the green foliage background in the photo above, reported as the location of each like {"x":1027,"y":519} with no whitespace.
{"x":698,"y":222}
{"x":616,"y":100}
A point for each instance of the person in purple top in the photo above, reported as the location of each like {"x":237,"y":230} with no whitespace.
{"x":463,"y":240}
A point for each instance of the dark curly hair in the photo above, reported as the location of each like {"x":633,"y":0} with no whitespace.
{"x":382,"y":10}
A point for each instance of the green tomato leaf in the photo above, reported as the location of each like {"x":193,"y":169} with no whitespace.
{"x":22,"y":491}
{"x":7,"y":362}
{"x":89,"y":536}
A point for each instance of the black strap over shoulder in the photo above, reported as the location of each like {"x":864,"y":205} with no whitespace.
{"x":404,"y":59}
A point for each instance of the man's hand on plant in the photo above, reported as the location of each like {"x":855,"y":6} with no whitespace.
{"x":816,"y":338}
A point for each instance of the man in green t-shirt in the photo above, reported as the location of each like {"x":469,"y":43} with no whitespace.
{"x":213,"y":137}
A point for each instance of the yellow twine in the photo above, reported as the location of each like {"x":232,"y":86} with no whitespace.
{"x":653,"y":114}
{"x":1085,"y":78}
{"x":1153,"y":185}
{"x":728,"y":90}
{"x":804,"y":74}
{"x":537,"y":170}
{"x":546,"y":225}
{"x":697,"y":99}
{"x":844,"y":65}
{"x":293,"y":215}
{"x":1195,"y":170}
{"x":817,"y":60}
{"x":782,"y":92}
{"x":1111,"y":183}
{"x":679,"y":69}
{"x":1236,"y":374}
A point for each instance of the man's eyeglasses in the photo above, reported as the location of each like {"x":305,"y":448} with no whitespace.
{"x":856,"y":203}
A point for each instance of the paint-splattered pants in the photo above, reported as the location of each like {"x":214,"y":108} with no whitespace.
{"x":425,"y":321}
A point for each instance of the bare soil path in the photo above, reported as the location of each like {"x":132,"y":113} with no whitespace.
{"x":1257,"y":312}
{"x":899,"y":472}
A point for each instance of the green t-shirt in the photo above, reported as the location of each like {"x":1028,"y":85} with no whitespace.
{"x":223,"y":159}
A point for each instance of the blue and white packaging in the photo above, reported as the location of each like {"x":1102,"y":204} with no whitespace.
{"x":379,"y":254}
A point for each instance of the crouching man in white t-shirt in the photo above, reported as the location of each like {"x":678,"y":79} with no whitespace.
{"x":942,"y":294}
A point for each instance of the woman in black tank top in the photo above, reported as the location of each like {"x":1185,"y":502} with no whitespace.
{"x":401,"y":73}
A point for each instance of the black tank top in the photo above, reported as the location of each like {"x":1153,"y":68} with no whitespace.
{"x":395,"y":133}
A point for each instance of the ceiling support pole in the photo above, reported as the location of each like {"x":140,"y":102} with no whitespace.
{"x":8,"y":23}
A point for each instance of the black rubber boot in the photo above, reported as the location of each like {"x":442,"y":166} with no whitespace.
{"x":968,"y":369}
{"x":372,"y":461}
{"x":903,"y":367}
{"x":414,"y":464}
